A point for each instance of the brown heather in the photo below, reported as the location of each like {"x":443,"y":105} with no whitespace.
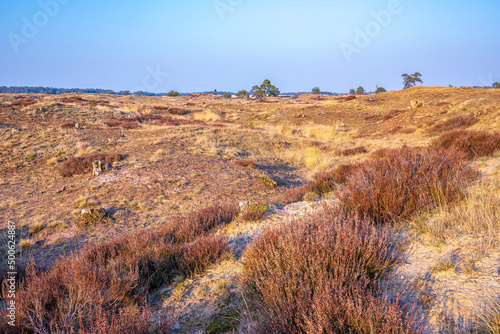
{"x":457,"y":122}
{"x":246,"y":163}
{"x":318,"y":274}
{"x":82,"y":165}
{"x":404,"y":182}
{"x":473,"y":144}
{"x":103,"y":286}
{"x":352,"y":151}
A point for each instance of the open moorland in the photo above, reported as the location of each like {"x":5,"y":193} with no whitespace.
{"x":299,"y":214}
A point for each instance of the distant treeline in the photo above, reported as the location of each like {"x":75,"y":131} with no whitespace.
{"x":57,"y":91}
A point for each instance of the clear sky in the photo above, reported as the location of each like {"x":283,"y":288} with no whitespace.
{"x":229,"y":45}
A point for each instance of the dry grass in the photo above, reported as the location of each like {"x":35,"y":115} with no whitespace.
{"x":490,"y":320}
{"x":319,"y":274}
{"x":478,"y":215}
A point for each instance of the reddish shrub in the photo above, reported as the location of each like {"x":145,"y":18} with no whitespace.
{"x":68,"y":125}
{"x":292,"y":195}
{"x":350,"y":98}
{"x":352,"y":151}
{"x":99,"y":290}
{"x":323,"y":183}
{"x":454,"y":123}
{"x":386,"y":117}
{"x":405,"y":181}
{"x":112,"y":123}
{"x":176,"y":111}
{"x":400,"y":129}
{"x":197,"y":256}
{"x":187,"y":228}
{"x":81,"y":165}
{"x":129,"y":125}
{"x":23,"y":103}
{"x":442,"y":104}
{"x":473,"y":144}
{"x":318,"y":274}
{"x":160,"y":108}
{"x":246,"y":163}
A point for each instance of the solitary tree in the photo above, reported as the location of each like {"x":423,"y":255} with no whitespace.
{"x":264,"y":89}
{"x":380,"y":90}
{"x":243,"y":94}
{"x":215,"y":91}
{"x":352,"y":91}
{"x":411,"y":80}
{"x":173,"y":93}
{"x":496,"y":85}
{"x":316,"y":90}
{"x":360,"y":90}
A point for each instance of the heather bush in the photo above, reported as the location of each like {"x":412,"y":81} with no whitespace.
{"x":473,"y":144}
{"x":405,"y":181}
{"x":323,"y":183}
{"x":102,"y":287}
{"x":68,"y":125}
{"x":82,"y":165}
{"x":454,"y":123}
{"x":246,"y":163}
{"x":253,"y":212}
{"x":352,"y":151}
{"x":318,"y":274}
{"x":176,"y":111}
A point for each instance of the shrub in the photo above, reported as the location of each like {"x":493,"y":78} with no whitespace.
{"x":454,"y":123}
{"x":350,"y":98}
{"x":79,"y":165}
{"x":253,"y":212}
{"x":352,"y":151}
{"x":173,"y":93}
{"x":323,"y":183}
{"x":176,"y":111}
{"x":292,"y":195}
{"x":246,"y":163}
{"x":386,"y":117}
{"x":318,"y":274}
{"x":227,"y":95}
{"x":404,"y":182}
{"x":187,"y":228}
{"x":472,"y":144}
{"x":68,"y":125}
{"x":103,"y":284}
{"x":113,"y":123}
{"x":23,"y":103}
{"x":268,"y":181}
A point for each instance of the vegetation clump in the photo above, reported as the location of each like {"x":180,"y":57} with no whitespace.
{"x":82,"y":165}
{"x":473,"y":144}
{"x":319,"y":274}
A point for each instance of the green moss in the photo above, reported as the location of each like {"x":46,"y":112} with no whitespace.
{"x":225,"y":323}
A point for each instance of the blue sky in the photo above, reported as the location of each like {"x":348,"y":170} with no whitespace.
{"x":229,"y":45}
